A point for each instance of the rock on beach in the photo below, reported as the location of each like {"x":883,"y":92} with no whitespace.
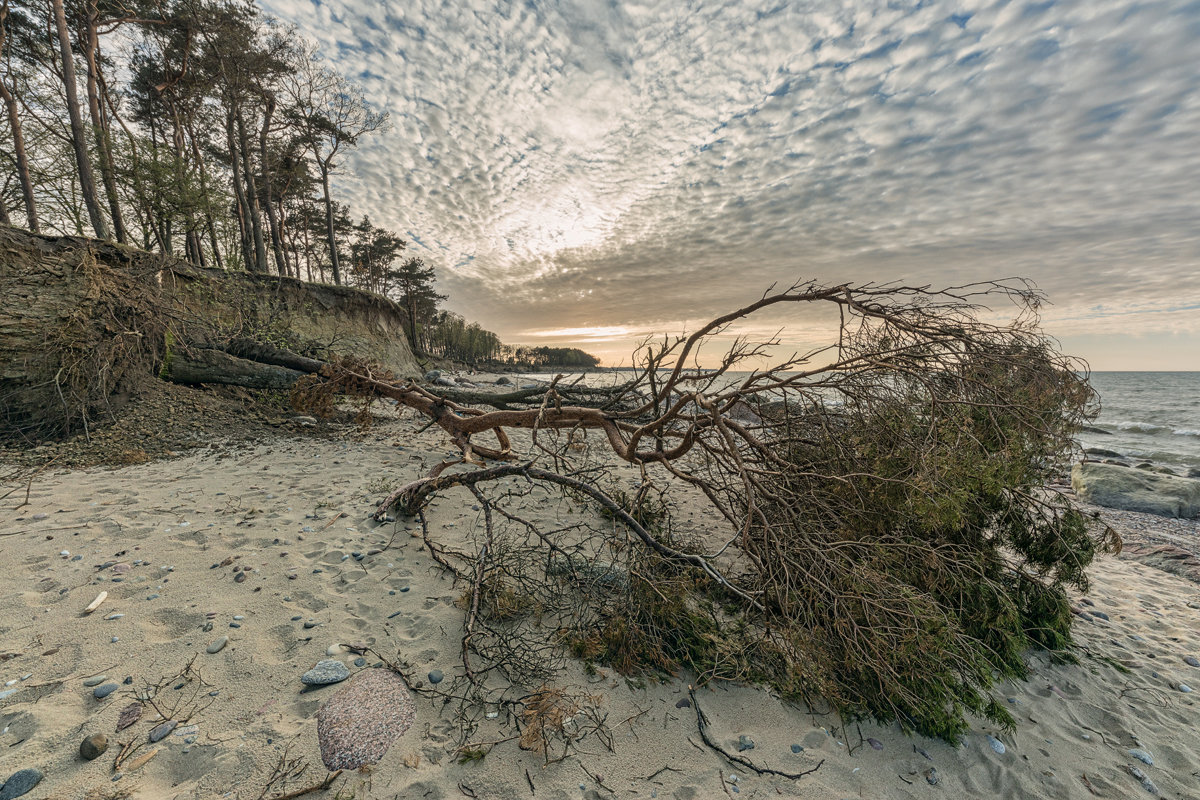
{"x":1136,"y":490}
{"x":359,"y":723}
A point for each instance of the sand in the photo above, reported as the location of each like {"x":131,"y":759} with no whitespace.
{"x":288,"y":510}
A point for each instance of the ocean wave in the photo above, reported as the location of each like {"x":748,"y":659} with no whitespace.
{"x":1186,"y":432}
{"x":1142,"y":427}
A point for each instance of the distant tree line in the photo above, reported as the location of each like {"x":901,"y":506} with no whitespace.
{"x":206,"y":130}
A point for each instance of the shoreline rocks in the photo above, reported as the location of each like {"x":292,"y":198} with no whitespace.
{"x":1136,"y":490}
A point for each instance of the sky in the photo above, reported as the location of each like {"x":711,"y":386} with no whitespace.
{"x":592,"y":173}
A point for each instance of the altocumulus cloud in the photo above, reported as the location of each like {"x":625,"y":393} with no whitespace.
{"x":642,"y":166}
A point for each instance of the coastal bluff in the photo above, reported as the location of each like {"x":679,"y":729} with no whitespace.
{"x":85,"y":321}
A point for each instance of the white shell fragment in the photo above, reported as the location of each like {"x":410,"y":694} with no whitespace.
{"x":100,"y":598}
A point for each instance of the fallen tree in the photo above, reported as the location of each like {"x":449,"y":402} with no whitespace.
{"x":881,"y":538}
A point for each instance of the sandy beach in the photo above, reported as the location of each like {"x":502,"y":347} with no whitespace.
{"x":269,"y":545}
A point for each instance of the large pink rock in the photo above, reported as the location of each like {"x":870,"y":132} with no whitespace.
{"x":358,"y":724}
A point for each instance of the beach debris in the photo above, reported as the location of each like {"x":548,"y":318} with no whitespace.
{"x":324,"y":672}
{"x":996,"y":744}
{"x":93,"y":746}
{"x":92,"y":606}
{"x":129,"y":715}
{"x":359,"y":723}
{"x":745,"y":743}
{"x":1147,"y":784}
{"x":931,"y":776}
{"x":875,"y":743}
{"x":21,"y":783}
{"x":140,"y":761}
{"x":1142,"y":755}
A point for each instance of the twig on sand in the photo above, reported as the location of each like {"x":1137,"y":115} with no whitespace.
{"x":702,"y":724}
{"x":336,"y":517}
{"x":529,"y":780}
{"x":599,"y":779}
{"x":43,"y":530}
{"x":660,"y":771}
{"x":316,"y":787}
{"x":1083,"y":777}
{"x":724,"y":785}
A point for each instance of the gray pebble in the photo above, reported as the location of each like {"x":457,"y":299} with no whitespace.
{"x":931,"y":776}
{"x":21,"y":783}
{"x":745,"y":743}
{"x":153,"y":597}
{"x":238,"y":617}
{"x":95,"y":680}
{"x":996,"y":744}
{"x":1191,"y":661}
{"x":309,"y":624}
{"x":325,"y":672}
{"x":162,"y":730}
{"x":797,"y":748}
{"x":235,"y":624}
{"x":360,"y":662}
{"x":1183,"y":687}
{"x":101,"y":692}
{"x":435,"y":676}
{"x":218,"y":645}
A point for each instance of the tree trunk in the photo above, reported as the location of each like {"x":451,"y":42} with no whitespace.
{"x":87,"y":182}
{"x":14,"y":121}
{"x":214,"y":366}
{"x":103,"y":150}
{"x":260,"y":246}
{"x":268,"y":188}
{"x":239,"y":191}
{"x":333,"y":254}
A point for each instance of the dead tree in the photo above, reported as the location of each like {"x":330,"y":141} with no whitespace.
{"x":884,"y":540}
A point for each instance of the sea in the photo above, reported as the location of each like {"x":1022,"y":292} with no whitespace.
{"x":1148,"y":416}
{"x":1144,"y":416}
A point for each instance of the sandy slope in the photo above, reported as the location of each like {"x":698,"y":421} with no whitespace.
{"x":274,"y":506}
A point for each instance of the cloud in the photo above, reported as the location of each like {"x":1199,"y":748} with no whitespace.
{"x":588,"y":164}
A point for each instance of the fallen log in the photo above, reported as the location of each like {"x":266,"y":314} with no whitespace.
{"x":203,"y":365}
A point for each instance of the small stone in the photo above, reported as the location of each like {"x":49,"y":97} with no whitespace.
{"x":309,"y":624}
{"x":101,"y":692}
{"x":1147,"y":784}
{"x":93,"y":746}
{"x":931,"y":776}
{"x":1142,"y":756}
{"x":241,"y":576}
{"x":218,"y":645}
{"x":39,"y":516}
{"x":152,"y":597}
{"x":21,"y":783}
{"x":996,"y":744}
{"x":162,"y":730}
{"x":745,"y":743}
{"x":1191,"y":661}
{"x":235,"y":624}
{"x":95,"y":680}
{"x":683,"y":702}
{"x":435,"y":676}
{"x":797,"y":748}
{"x":360,"y":662}
{"x":1101,"y":615}
{"x":875,"y":744}
{"x":1183,"y":687}
{"x":238,"y":617}
{"x":325,"y":672}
